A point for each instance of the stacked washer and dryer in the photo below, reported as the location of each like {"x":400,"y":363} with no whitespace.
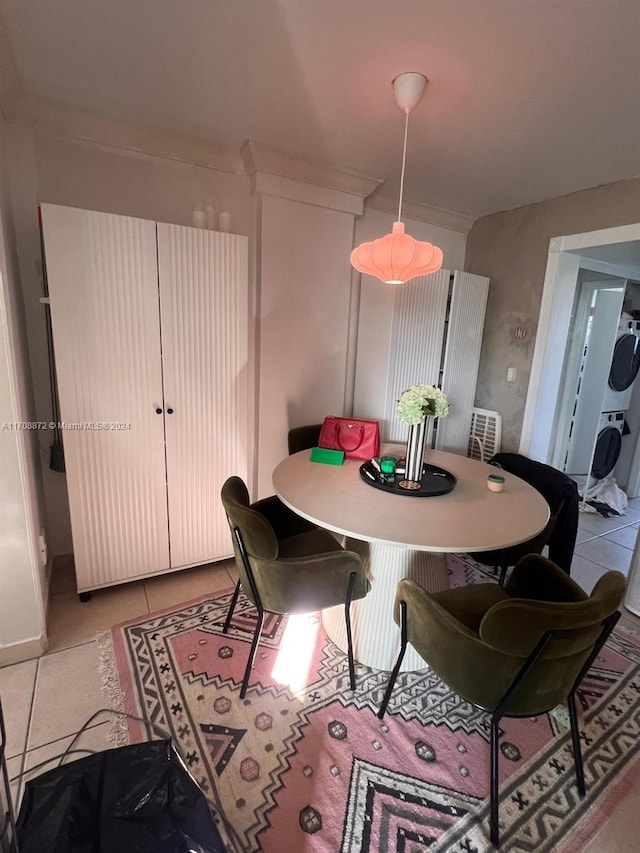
{"x":617,"y":399}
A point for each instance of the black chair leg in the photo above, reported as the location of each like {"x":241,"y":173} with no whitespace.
{"x":396,"y":668}
{"x":503,"y":574}
{"x":232,"y":607}
{"x":575,"y":738}
{"x":607,"y":627}
{"x":252,"y":653}
{"x":347,"y":619}
{"x":493,"y":798}
{"x":496,"y":716}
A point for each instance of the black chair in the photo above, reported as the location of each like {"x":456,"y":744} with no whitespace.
{"x":516,"y":651}
{"x":561,"y":493}
{"x":287,"y":565}
{"x":303,"y":438}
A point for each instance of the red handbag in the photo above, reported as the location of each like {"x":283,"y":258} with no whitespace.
{"x":359,"y":439}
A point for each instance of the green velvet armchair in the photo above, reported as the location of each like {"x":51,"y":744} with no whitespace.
{"x":287,"y":565}
{"x":303,"y":438}
{"x":514,"y":651}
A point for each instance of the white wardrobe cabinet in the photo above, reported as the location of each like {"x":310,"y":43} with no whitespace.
{"x":150,"y":327}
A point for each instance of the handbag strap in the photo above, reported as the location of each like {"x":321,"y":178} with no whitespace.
{"x":340,"y":444}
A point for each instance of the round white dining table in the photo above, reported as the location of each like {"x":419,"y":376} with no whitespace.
{"x":404,"y":536}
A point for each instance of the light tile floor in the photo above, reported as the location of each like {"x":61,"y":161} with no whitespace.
{"x":46,"y":701}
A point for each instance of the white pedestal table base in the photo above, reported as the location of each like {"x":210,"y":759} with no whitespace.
{"x":376,"y":637}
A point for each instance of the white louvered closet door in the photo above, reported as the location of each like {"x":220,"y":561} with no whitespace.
{"x":204,"y":311}
{"x":419,"y":312}
{"x":102,"y":274}
{"x":462,"y":358}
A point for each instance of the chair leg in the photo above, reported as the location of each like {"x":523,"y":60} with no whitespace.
{"x":347,"y":619}
{"x":252,"y":653}
{"x":575,"y":738}
{"x":607,"y":627}
{"x":493,"y":798}
{"x":496,"y":716}
{"x":396,"y":668}
{"x":232,"y":607}
{"x":503,"y":574}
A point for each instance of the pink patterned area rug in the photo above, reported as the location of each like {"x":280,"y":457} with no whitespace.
{"x":303,"y":763}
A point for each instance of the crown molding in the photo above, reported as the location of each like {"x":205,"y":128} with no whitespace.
{"x":423,"y":213}
{"x":271,"y":171}
{"x":274,"y":172}
{"x":94,"y":128}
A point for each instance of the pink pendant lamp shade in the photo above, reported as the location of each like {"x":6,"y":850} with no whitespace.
{"x":396,"y":258}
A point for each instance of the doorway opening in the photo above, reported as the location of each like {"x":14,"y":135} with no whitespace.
{"x":590,"y":295}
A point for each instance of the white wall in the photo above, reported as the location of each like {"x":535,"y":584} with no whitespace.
{"x":305,"y":281}
{"x":24,"y":187}
{"x":22,"y":578}
{"x":83,"y":175}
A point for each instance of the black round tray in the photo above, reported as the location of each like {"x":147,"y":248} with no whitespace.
{"x":435,"y":481}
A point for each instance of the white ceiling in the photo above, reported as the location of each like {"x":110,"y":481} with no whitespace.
{"x":528,"y":99}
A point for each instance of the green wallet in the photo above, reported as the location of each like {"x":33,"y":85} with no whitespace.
{"x":329,"y":457}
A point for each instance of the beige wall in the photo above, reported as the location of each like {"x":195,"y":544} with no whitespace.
{"x":511,"y":248}
{"x":304,"y":321}
{"x":84,"y":175}
{"x":22,"y":574}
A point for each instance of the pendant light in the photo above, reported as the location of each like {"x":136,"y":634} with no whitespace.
{"x":397,"y":258}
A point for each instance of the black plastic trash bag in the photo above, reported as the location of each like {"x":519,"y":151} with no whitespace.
{"x":135,"y":799}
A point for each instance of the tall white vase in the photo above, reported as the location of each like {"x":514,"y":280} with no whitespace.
{"x":415,"y":452}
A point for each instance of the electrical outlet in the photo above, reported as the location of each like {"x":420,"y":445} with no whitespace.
{"x":42,"y":548}
{"x":512,"y":374}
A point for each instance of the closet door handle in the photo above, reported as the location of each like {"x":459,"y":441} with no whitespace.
{"x":169,"y":411}
{"x":158,"y":410}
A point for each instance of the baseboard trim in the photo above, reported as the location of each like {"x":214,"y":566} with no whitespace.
{"x":18,"y":652}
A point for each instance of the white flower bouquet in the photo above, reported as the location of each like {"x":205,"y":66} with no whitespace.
{"x":421,"y":401}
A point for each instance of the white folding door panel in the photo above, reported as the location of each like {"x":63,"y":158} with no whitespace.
{"x":103,"y":285}
{"x":419,"y":312}
{"x":204,"y":311}
{"x":462,"y":357}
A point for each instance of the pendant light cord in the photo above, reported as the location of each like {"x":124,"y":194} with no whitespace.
{"x":404,"y":160}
